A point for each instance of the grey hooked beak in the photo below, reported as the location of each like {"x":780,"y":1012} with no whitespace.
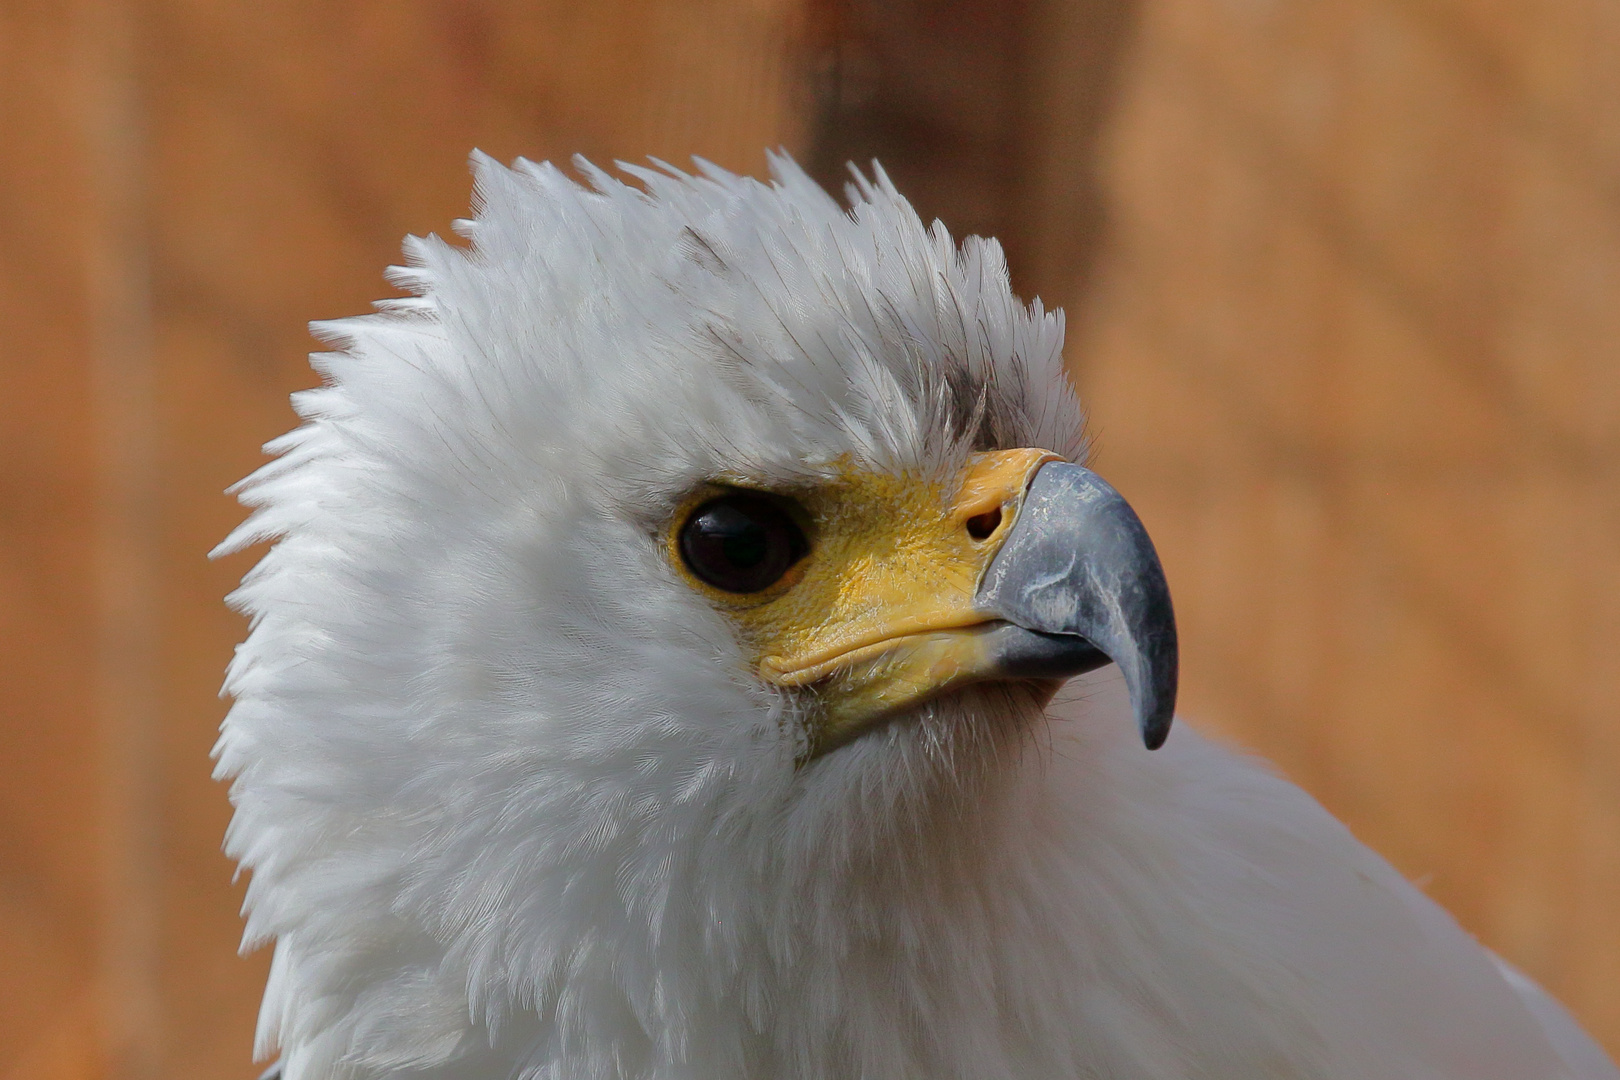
{"x":1079,"y":584}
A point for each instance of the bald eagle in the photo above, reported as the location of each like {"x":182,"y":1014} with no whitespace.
{"x":685,"y":653}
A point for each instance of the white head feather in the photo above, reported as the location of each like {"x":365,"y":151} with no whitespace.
{"x":513,"y":805}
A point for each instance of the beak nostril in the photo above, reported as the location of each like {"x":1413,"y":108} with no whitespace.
{"x":981,"y":526}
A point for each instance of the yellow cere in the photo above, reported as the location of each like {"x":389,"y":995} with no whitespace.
{"x":879,"y":614}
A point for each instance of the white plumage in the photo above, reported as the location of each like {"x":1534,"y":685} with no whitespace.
{"x":515,"y":804}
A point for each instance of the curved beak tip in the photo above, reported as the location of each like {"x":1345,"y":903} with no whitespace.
{"x":1155,"y":726}
{"x":1079,"y":564}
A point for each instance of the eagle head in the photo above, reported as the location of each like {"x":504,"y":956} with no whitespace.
{"x":661,"y":595}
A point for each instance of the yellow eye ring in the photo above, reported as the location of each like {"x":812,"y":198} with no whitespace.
{"x":741,"y":543}
{"x":739,"y":546}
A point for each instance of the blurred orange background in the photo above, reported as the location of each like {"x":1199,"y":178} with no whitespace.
{"x":1343,"y":283}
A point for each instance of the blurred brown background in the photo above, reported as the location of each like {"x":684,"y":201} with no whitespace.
{"x":1342,"y":278}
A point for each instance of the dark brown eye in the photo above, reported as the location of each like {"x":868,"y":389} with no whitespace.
{"x":741,"y":543}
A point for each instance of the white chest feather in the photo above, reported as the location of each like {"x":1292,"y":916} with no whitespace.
{"x":1116,"y":914}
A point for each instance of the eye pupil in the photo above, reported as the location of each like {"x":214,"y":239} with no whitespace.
{"x":748,"y":550}
{"x":741,"y":543}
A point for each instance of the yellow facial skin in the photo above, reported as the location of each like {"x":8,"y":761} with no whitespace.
{"x":879,"y":615}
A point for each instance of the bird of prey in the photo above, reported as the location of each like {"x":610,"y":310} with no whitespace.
{"x":692,"y":648}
